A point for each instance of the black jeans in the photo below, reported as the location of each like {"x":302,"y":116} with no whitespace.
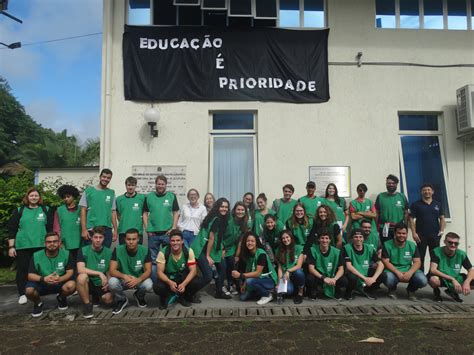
{"x":163,"y":290}
{"x":313,"y":283}
{"x":23,"y":258}
{"x":429,"y":243}
{"x":352,"y":280}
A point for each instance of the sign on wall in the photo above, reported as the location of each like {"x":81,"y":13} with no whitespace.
{"x":338,"y":175}
{"x":176,"y":175}
{"x":225,"y":64}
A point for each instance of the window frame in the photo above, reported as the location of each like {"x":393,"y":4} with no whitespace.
{"x":301,"y":16}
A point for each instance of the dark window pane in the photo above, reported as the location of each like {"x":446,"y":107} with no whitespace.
{"x":409,"y":14}
{"x":139,"y":12}
{"x":457,"y":15}
{"x":264,"y":23}
{"x":423,"y":163}
{"x":314,"y":5}
{"x":214,"y":4}
{"x":240,"y":8}
{"x":418,"y":122}
{"x":189,"y":16}
{"x":240,"y":22}
{"x":314,"y":13}
{"x":215,"y":18}
{"x":232,"y":120}
{"x":187,"y":2}
{"x":164,"y":12}
{"x":385,"y":14}
{"x":289,"y":5}
{"x":266,"y":8}
{"x":289,"y":13}
{"x":433,"y":14}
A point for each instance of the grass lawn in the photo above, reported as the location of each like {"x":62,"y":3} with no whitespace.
{"x":7,"y":275}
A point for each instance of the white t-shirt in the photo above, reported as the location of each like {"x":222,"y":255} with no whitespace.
{"x":191,"y":218}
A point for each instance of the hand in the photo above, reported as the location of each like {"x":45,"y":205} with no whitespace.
{"x":457,"y":286}
{"x":132,"y":282}
{"x":210,"y":261}
{"x":12,"y":252}
{"x":85,"y":234}
{"x":466,"y":288}
{"x":330,"y":282}
{"x":173,"y":287}
{"x":168,"y":231}
{"x":286,"y":275}
{"x":235,"y":274}
{"x":114,"y":236}
{"x":104,"y":280}
{"x":51,"y":279}
{"x":223,"y":253}
{"x":416,"y":238}
{"x":369,"y":281}
{"x":181,"y":288}
{"x":400,"y":276}
{"x":236,"y":259}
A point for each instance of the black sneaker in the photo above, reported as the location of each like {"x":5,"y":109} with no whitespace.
{"x":88,"y":311}
{"x":437,"y":295}
{"x":222,"y":296}
{"x":348,"y":296}
{"x":298,"y":299}
{"x":369,"y":294}
{"x":119,"y":306}
{"x":140,"y":300}
{"x":195,"y":299}
{"x":162,"y":304}
{"x":454,"y":295}
{"x":62,"y":303}
{"x":184,"y":302}
{"x":37,"y":310}
{"x":280,"y":299}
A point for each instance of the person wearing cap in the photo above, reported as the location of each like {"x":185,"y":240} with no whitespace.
{"x":310,"y":201}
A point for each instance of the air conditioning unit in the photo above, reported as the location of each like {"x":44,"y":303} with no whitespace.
{"x":465,"y":112}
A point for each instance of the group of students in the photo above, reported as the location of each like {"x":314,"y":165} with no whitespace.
{"x":313,"y":246}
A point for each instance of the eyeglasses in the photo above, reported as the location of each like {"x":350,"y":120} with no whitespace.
{"x":452,"y":243}
{"x":52,"y":241}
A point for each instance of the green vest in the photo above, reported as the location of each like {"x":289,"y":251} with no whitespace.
{"x":311,"y":204}
{"x":271,"y":237}
{"x":99,"y":207}
{"x":259,"y":222}
{"x":97,"y":261}
{"x":131,"y":265}
{"x":46,"y":265}
{"x":361,"y":262}
{"x":364,"y":206}
{"x":326,"y":266}
{"x":288,"y":264}
{"x":373,"y":239}
{"x":332,"y":234}
{"x":130,"y":210}
{"x":251,"y":266}
{"x":231,"y":237}
{"x":392,"y":207}
{"x":401,"y":258}
{"x":70,"y":223}
{"x":32,"y":228}
{"x":161,"y":211}
{"x":200,"y":243}
{"x":172,"y":266}
{"x":450,"y":265}
{"x":300,"y":231}
{"x":338,"y":209}
{"x":285,"y":209}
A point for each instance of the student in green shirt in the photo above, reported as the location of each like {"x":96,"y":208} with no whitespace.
{"x":177,"y":273}
{"x":362,"y":208}
{"x":299,"y":224}
{"x":67,"y":219}
{"x":283,"y":207}
{"x":310,"y":201}
{"x":248,"y":201}
{"x":260,"y":213}
{"x":445,"y":271}
{"x":363,"y":266}
{"x":50,"y":272}
{"x":324,"y":220}
{"x":255,"y":271}
{"x":402,"y":263}
{"x":338,"y":206}
{"x":290,"y":267}
{"x":130,"y":268}
{"x":27,"y":227}
{"x":371,"y":237}
{"x":93,"y":263}
{"x":271,"y":234}
{"x":130,"y":210}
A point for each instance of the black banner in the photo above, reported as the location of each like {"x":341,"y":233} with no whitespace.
{"x":225,"y":64}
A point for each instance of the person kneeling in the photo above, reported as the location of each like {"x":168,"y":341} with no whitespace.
{"x":93,"y":262}
{"x":325,"y":267}
{"x":255,"y":270}
{"x":50,"y":272}
{"x":130,"y":268}
{"x":177,"y":273}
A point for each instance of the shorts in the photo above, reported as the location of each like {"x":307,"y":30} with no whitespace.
{"x":45,"y":289}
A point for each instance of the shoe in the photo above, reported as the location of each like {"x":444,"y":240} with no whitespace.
{"x":88,"y":311}
{"x":348,"y":296}
{"x":22,"y":300}
{"x":411,"y":296}
{"x":265,"y":300}
{"x":233,"y":291}
{"x":280,"y":299}
{"x":75,"y":293}
{"x":37,"y":310}
{"x":119,"y":306}
{"x":184,"y":302}
{"x":454,"y":295}
{"x":140,"y":300}
{"x":195,"y":299}
{"x":391,"y":294}
{"x":313,"y":296}
{"x":62,"y":303}
{"x":162,"y":304}
{"x":222,"y":296}
{"x":298,"y":299}
{"x":225,"y":291}
{"x":437,"y":295}
{"x":368,"y":294}
{"x":337,"y":295}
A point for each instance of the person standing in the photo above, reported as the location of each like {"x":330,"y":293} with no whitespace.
{"x":27,"y":228}
{"x":283,"y":207}
{"x":310,"y":201}
{"x":391,"y":208}
{"x":209,"y":201}
{"x":362,"y":209}
{"x":324,"y":220}
{"x":427,"y":222}
{"x":338,"y":206}
{"x":260,"y":213}
{"x":98,"y":209}
{"x":130,"y":210}
{"x":161,"y":217}
{"x":191,"y":216}
{"x":248,"y":201}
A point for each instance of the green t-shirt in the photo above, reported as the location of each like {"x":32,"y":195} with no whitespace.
{"x":391,"y":207}
{"x":300,"y":231}
{"x":32,"y":228}
{"x":288,"y":264}
{"x":99,"y":206}
{"x":45,"y":265}
{"x":401,"y":258}
{"x":133,"y":265}
{"x":451,"y":266}
{"x":326,"y":265}
{"x":130,"y":210}
{"x":199,"y":243}
{"x":259,"y":222}
{"x":161,"y":211}
{"x":360,"y":261}
{"x":338,"y":209}
{"x":268,"y":271}
{"x":311,"y":204}
{"x":70,"y":223}
{"x":271,"y":236}
{"x":284,"y":210}
{"x":362,"y":206}
{"x":231,"y":237}
{"x":95,"y":260}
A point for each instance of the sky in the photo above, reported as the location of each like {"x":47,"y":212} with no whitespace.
{"x":58,"y":83}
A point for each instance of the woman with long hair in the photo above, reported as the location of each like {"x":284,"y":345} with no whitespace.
{"x":255,"y":271}
{"x":324,"y":220}
{"x":260,"y":213}
{"x":270,"y":233}
{"x":338,"y":205}
{"x":27,"y":229}
{"x":290,"y":262}
{"x":248,"y":200}
{"x":208,"y":246}
{"x":299,"y":224}
{"x":209,"y":201}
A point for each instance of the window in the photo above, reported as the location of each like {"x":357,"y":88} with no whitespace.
{"x":457,"y":15}
{"x":422,"y":157}
{"x":138,"y":12}
{"x":385,"y":14}
{"x":433,"y":14}
{"x":409,"y":14}
{"x":302,"y":13}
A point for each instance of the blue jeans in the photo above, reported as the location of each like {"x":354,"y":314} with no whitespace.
{"x":260,"y":287}
{"x":229,"y":267}
{"x":117,"y":287}
{"x":418,"y":280}
{"x":297,"y":280}
{"x":155,"y":241}
{"x":107,"y":238}
{"x":188,"y":237}
{"x":206,"y":272}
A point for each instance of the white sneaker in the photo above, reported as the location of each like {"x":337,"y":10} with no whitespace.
{"x":233,"y":291}
{"x":225,"y":291}
{"x":265,"y":300}
{"x":22,"y":300}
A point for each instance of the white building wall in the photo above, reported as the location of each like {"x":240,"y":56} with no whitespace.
{"x":80,"y":177}
{"x":357,"y":127}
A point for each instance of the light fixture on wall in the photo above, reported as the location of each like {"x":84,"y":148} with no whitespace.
{"x":152,"y":116}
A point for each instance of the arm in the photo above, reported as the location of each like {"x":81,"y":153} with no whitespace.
{"x":280,"y":271}
{"x":67,"y":276}
{"x":332,"y":280}
{"x":175,"y":219}
{"x":81,"y":269}
{"x":56,"y":225}
{"x":210,"y":243}
{"x":299,"y":264}
{"x":13,"y":227}
{"x":442,"y":225}
{"x":114,"y":272}
{"x":84,"y":232}
{"x":146,"y":272}
{"x":114,"y":225}
{"x":254,"y":274}
{"x":466,"y":286}
{"x":312,"y":270}
{"x":435,"y":271}
{"x":191,"y":275}
{"x":412,"y":224}
{"x":339,"y":241}
{"x":390,"y":267}
{"x":145,"y":219}
{"x":378,"y":271}
{"x":353,"y":270}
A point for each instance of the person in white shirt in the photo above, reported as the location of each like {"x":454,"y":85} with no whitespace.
{"x":191,"y":216}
